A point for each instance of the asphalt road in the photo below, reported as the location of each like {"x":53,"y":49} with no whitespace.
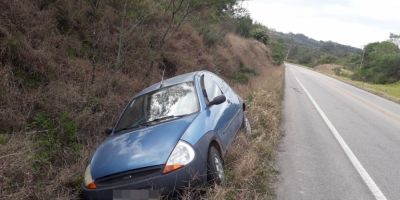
{"x":339,"y":142}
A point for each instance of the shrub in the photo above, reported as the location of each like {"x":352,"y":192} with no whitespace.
{"x":240,"y":78}
{"x":382,"y":63}
{"x":211,"y":36}
{"x":56,"y":140}
{"x":242,"y":75}
{"x":261,"y":36}
{"x":327,"y":59}
{"x":305,"y":60}
{"x":244,"y":25}
{"x":3,"y":139}
{"x":337,"y":71}
{"x":260,"y":33}
{"x":278,"y":52}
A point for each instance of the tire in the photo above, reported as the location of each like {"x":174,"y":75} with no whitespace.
{"x":215,"y":167}
{"x":246,"y":125}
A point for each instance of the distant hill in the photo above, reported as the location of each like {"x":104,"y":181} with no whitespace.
{"x":305,"y":50}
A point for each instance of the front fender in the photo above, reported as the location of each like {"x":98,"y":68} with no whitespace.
{"x":201,"y":147}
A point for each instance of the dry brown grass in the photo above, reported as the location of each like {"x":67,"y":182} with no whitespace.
{"x":327,"y":68}
{"x":52,"y":70}
{"x":250,"y":161}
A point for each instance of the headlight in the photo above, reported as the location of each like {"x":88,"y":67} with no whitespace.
{"x":182,"y":155}
{"x":89,"y":182}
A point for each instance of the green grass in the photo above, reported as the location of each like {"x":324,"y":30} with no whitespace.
{"x":346,"y":72}
{"x":388,"y":91}
{"x":391,"y":90}
{"x":56,"y":142}
{"x":3,"y":139}
{"x":242,"y":76}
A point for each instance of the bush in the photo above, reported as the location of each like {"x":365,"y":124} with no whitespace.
{"x":241,"y":78}
{"x":382,"y":63}
{"x":3,"y":139}
{"x":211,"y":36}
{"x":242,"y":75}
{"x":260,"y":33}
{"x":244,"y":25}
{"x":327,"y":59}
{"x":337,"y":71}
{"x":56,"y":141}
{"x":278,"y":52}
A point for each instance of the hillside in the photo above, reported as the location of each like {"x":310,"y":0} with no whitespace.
{"x":305,"y":50}
{"x":69,"y":67}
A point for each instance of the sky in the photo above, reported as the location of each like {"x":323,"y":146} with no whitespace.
{"x":350,"y":22}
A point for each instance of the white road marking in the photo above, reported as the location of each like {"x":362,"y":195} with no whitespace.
{"x":353,"y":159}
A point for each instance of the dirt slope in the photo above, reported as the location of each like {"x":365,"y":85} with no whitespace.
{"x":59,"y":87}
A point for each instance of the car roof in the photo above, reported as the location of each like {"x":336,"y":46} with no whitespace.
{"x":172,"y":81}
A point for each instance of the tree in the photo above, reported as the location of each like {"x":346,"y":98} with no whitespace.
{"x":278,"y":51}
{"x":244,"y":25}
{"x":260,"y":33}
{"x":382,"y":63}
{"x":133,"y":14}
{"x":395,"y":38}
{"x":327,"y":59}
{"x":328,"y":47}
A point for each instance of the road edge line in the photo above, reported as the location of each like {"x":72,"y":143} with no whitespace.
{"x":349,"y":153}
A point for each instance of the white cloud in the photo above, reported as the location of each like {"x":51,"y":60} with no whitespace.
{"x":351,"y":22}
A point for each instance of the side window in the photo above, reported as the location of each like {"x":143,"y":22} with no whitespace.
{"x":211,"y":88}
{"x":226,"y":89}
{"x":224,"y":86}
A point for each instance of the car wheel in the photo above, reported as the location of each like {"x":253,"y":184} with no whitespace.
{"x":215,"y":167}
{"x":246,"y":125}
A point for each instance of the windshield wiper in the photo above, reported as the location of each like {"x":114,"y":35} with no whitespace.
{"x":147,"y":123}
{"x":137,"y":125}
{"x":132,"y":127}
{"x":164,"y":118}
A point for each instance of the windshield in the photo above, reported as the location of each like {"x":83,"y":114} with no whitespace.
{"x":166,"y":103}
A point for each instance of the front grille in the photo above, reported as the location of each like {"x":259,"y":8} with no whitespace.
{"x":129,"y":176}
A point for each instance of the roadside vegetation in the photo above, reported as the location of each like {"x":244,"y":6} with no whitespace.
{"x":250,"y":162}
{"x":381,"y":63}
{"x":376,"y":68}
{"x":306,"y":51}
{"x":390,"y":91}
{"x":251,"y":168}
{"x":69,"y":67}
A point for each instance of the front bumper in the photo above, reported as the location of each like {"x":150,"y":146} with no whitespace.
{"x":164,"y":184}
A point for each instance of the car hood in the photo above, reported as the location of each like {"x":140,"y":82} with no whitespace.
{"x":146,"y":147}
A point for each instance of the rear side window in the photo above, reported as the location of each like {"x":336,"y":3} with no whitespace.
{"x":211,"y":88}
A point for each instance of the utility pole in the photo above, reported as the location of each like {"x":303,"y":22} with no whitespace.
{"x":287,"y":55}
{"x":290,"y":48}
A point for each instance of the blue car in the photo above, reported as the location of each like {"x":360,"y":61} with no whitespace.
{"x":172,"y":134}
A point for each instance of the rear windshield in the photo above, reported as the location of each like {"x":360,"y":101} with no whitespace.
{"x":166,"y":103}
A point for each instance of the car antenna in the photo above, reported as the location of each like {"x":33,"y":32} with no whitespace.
{"x":162,"y":77}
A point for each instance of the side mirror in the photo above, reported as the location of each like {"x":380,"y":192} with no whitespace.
{"x":108,"y":131}
{"x":217,"y":100}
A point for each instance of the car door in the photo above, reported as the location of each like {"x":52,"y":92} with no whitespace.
{"x":217,"y":114}
{"x":234,"y":110}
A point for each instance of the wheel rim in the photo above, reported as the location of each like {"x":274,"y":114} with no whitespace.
{"x":219,"y":168}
